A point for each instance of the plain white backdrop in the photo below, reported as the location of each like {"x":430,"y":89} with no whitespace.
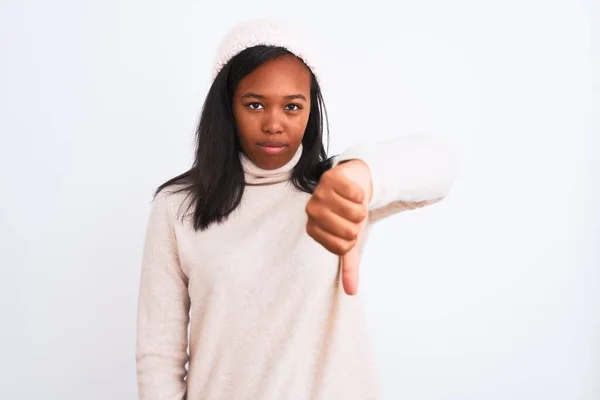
{"x":492,"y":294}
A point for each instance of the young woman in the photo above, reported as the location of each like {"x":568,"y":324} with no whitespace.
{"x":250,"y":264}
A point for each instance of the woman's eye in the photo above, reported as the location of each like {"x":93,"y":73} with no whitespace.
{"x":294,"y":107}
{"x":254,"y":106}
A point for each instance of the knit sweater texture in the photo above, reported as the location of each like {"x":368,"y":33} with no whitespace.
{"x":253,"y":307}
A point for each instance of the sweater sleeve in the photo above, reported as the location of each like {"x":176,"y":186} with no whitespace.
{"x":407,"y":172}
{"x":163,"y":311}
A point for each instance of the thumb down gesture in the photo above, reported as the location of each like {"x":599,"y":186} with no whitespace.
{"x":337,"y":215}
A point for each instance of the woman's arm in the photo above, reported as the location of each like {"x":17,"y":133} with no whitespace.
{"x":163,"y":311}
{"x":407,"y":172}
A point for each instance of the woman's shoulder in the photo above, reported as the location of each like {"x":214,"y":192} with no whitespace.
{"x":174,"y":200}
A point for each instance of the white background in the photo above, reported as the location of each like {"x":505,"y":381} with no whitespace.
{"x":492,"y":294}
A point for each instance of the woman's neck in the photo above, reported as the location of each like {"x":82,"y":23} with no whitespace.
{"x":255,"y":175}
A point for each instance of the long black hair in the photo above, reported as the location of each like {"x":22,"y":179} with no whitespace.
{"x":215,"y":182}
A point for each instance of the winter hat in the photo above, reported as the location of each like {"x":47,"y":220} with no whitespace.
{"x":264,"y":31}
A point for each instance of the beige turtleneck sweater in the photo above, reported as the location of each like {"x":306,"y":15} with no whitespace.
{"x":256,"y":306}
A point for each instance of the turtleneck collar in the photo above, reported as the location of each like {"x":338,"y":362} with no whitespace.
{"x":258,"y":176}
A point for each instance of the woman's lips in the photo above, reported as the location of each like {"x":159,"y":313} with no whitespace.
{"x":272,"y":148}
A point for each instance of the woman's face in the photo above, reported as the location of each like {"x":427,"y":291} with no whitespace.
{"x":271,"y":106}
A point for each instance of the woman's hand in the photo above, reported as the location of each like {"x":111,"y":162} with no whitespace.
{"x":337,"y":214}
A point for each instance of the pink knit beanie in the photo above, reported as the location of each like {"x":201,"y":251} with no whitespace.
{"x":273,"y":32}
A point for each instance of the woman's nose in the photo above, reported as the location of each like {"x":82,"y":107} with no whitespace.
{"x":273,"y":122}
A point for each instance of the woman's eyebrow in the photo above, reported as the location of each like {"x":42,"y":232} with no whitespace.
{"x":260,"y":96}
{"x":251,"y":94}
{"x":295,"y":96}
